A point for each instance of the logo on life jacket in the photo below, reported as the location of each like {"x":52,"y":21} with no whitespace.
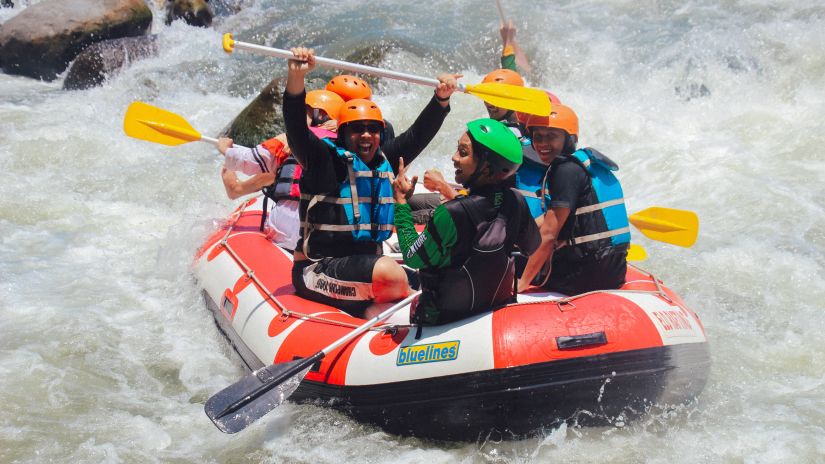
{"x":432,"y":352}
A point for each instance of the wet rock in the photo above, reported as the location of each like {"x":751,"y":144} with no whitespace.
{"x":6,"y":4}
{"x":193,"y":12}
{"x":371,"y":55}
{"x":226,"y":7}
{"x":104,"y":59}
{"x":44,"y":38}
{"x":260,"y":120}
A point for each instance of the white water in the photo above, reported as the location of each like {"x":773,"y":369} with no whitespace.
{"x":107,"y":353}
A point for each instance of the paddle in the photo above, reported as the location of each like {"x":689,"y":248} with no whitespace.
{"x":521,"y":58}
{"x":237,"y":406}
{"x":636,"y":253}
{"x":146,"y":122}
{"x":512,"y":97}
{"x":674,"y":226}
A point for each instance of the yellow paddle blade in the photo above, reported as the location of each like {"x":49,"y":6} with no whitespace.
{"x":675,"y":226}
{"x":147,"y":122}
{"x":636,"y":253}
{"x":512,"y":97}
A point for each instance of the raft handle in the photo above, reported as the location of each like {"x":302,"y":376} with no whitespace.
{"x":578,"y":341}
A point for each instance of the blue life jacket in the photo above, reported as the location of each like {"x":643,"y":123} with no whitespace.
{"x":601,"y":220}
{"x":529,"y":179}
{"x":362,"y":210}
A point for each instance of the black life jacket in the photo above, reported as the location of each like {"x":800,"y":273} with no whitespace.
{"x":485,"y":279}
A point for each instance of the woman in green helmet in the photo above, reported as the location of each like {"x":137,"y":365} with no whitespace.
{"x":464,"y":252}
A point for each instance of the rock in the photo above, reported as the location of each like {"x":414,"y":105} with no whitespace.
{"x":44,"y":38}
{"x":194,"y":12}
{"x":226,"y":7}
{"x":7,"y":4}
{"x":260,"y":120}
{"x":104,"y":59}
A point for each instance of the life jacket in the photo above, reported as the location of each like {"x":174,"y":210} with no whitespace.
{"x":600,"y":221}
{"x":361,"y":212}
{"x":484,"y":279}
{"x":529,"y":180}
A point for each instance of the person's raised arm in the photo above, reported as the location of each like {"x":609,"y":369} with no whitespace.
{"x":301,"y":141}
{"x":413,"y":141}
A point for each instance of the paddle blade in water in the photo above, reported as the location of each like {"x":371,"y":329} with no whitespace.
{"x":636,"y":253}
{"x":512,"y":97}
{"x":237,"y":406}
{"x":675,"y":226}
{"x":153,"y":124}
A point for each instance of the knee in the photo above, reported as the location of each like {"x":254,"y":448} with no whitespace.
{"x":389,"y":280}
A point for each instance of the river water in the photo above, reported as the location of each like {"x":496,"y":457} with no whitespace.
{"x":107,"y":352}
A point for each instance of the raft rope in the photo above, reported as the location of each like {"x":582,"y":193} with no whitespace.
{"x":250,"y":274}
{"x":287,"y":313}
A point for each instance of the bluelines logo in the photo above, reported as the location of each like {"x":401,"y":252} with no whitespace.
{"x":433,"y":352}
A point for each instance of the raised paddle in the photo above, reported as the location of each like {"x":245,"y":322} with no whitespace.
{"x":146,"y":122}
{"x":237,"y":406}
{"x":521,"y":59}
{"x":512,"y":97}
{"x":674,"y":226}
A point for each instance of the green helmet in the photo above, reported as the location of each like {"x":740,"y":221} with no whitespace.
{"x":502,"y":147}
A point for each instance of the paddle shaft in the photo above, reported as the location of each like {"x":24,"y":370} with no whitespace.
{"x":500,"y":12}
{"x":343,"y":65}
{"x":305,"y":363}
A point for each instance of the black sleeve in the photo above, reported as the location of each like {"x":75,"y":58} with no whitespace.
{"x":412,"y":142}
{"x":566,"y":185}
{"x":528,"y":237}
{"x":315,"y":156}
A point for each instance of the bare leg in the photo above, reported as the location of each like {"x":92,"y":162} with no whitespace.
{"x":389,"y":281}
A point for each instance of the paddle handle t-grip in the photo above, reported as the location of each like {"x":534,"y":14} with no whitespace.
{"x":230,"y":45}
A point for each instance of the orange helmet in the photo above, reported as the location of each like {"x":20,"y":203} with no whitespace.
{"x":349,"y":87}
{"x":561,"y":117}
{"x":554,"y":100}
{"x":325,"y":100}
{"x":504,"y":76}
{"x":359,"y":109}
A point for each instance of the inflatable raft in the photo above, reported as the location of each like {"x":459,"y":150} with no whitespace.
{"x":592,"y":359}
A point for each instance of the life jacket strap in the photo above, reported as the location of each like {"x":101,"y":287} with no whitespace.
{"x":342,"y":201}
{"x":353,"y":187}
{"x":381,"y":174}
{"x":346,"y":227}
{"x":599,"y":206}
{"x":598,"y":236}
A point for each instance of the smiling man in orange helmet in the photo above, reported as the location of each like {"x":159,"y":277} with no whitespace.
{"x":585,"y":232}
{"x":346,"y":206}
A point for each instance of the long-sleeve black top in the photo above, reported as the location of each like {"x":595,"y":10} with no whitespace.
{"x":322,"y":169}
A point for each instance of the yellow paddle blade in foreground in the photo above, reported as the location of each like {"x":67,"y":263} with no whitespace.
{"x":147,"y":122}
{"x":674,"y":226}
{"x":512,"y":97}
{"x":636,"y":253}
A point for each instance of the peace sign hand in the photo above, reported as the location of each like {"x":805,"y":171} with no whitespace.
{"x":402,"y":187}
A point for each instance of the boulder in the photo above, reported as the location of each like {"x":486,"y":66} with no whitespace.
{"x":226,"y":7}
{"x":104,"y":59}
{"x":44,"y":38}
{"x":194,"y":12}
{"x":6,"y":4}
{"x":260,"y":120}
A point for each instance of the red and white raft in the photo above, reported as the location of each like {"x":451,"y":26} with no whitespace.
{"x":595,"y":358}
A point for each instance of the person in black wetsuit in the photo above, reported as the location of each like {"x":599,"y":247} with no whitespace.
{"x":346,"y":206}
